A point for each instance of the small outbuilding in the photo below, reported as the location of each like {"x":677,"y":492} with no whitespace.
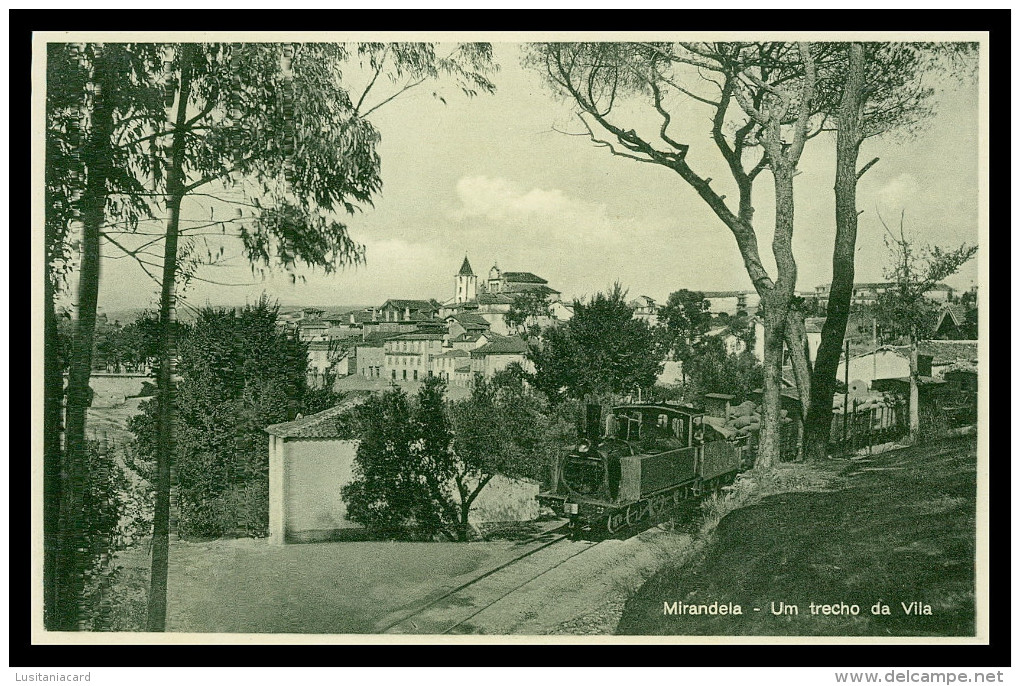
{"x":310,"y":460}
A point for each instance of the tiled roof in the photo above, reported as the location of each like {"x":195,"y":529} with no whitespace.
{"x":523,"y":277}
{"x":509,"y":345}
{"x":377,"y":338}
{"x":465,"y":268}
{"x":463,"y":368}
{"x":319,"y":425}
{"x":956,"y":313}
{"x":360,"y":316}
{"x":467,"y":337}
{"x":641,"y":301}
{"x":813,"y":324}
{"x":528,"y":287}
{"x":419,"y":336}
{"x":466,"y":318}
{"x":456,"y":352}
{"x":410,"y":304}
{"x":949,"y":352}
{"x":494,"y":299}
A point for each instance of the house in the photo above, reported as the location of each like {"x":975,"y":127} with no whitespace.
{"x":466,"y":322}
{"x":370,"y":357}
{"x":560,"y":311}
{"x":470,"y":340}
{"x":868,"y":293}
{"x":408,"y":357}
{"x":886,"y":362}
{"x":953,"y":323}
{"x":517,"y":282}
{"x":645,"y":309}
{"x":493,"y":307}
{"x":946,"y":355}
{"x":501,"y":353}
{"x":733,"y":343}
{"x":312,"y":458}
{"x":326,"y":356}
{"x":732,"y":302}
{"x":312,"y":330}
{"x":454,"y":366}
{"x":396,"y":310}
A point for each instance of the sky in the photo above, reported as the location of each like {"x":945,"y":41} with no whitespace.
{"x":496,"y":178}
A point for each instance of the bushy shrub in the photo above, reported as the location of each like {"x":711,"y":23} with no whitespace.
{"x":239,"y":374}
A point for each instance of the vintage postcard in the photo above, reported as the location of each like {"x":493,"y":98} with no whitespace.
{"x":503,"y":337}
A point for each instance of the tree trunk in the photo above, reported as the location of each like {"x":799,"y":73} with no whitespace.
{"x":848,"y":139}
{"x":776,"y":303}
{"x":463,"y":528}
{"x":53,"y":395}
{"x":166,"y":413}
{"x":768,"y":438}
{"x":915,"y":415}
{"x":796,"y":348}
{"x":98,"y":160}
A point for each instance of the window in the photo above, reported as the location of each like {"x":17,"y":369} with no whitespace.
{"x":415,"y":374}
{"x":405,"y":375}
{"x":394,"y":374}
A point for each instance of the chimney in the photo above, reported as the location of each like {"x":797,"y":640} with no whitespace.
{"x":407,"y":313}
{"x":352,"y":317}
{"x":375,"y":315}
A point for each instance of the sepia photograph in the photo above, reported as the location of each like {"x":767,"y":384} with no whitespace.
{"x":455,"y":337}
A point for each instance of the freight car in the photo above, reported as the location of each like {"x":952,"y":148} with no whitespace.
{"x":650,"y":458}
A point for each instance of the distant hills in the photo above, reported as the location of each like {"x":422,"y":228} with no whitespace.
{"x":187,"y":314}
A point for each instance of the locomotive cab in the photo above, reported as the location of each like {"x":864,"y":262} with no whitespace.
{"x":648,"y":459}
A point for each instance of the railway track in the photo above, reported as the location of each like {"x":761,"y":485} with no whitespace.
{"x":454,"y":608}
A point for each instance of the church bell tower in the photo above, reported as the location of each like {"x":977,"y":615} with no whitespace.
{"x":467,"y":284}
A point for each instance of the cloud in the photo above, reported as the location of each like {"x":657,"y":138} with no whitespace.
{"x":549,"y":214}
{"x":898,"y":193}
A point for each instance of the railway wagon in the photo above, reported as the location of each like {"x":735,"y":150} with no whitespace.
{"x":651,"y":457}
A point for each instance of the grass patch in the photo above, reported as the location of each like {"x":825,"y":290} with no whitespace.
{"x":893,"y":528}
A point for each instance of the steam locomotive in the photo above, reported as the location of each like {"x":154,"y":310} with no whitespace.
{"x":651,"y":457}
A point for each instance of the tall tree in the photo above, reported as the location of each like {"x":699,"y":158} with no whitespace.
{"x":876,"y":88}
{"x":383,"y":491}
{"x":686,"y":318}
{"x":526,"y":311}
{"x":711,"y":370}
{"x":277,"y":121}
{"x":764,"y":106}
{"x":602,"y":351}
{"x":404,"y":467}
{"x":422,"y":465}
{"x":906,"y":310}
{"x":238,"y":374}
{"x":94,"y":92}
{"x":504,"y":428}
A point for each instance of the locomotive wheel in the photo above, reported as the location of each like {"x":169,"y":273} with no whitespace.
{"x":616,"y":521}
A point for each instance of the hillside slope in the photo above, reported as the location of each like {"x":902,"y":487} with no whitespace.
{"x":898,"y":528}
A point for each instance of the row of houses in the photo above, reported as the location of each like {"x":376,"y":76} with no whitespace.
{"x":413,"y":339}
{"x":733,"y":303}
